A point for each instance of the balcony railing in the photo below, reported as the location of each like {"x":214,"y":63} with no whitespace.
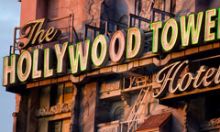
{"x":107,"y":27}
{"x":112,"y":26}
{"x":110,"y":89}
{"x":162,"y":15}
{"x":92,"y":31}
{"x":138,"y":21}
{"x":14,"y":48}
{"x":113,"y":126}
{"x":133,"y":83}
{"x":65,"y":24}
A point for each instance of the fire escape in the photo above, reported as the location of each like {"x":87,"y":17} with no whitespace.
{"x":136,"y":114}
{"x":141,"y":83}
{"x":135,"y":119}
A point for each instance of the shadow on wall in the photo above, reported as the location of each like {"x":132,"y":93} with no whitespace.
{"x":184,"y":7}
{"x":202,"y":5}
{"x":115,"y":10}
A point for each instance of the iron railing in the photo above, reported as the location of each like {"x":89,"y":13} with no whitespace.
{"x":163,"y":15}
{"x":92,"y":31}
{"x":65,"y":24}
{"x":107,"y":27}
{"x":137,"y":21}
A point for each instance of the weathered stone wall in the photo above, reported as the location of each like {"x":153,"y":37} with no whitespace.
{"x":91,"y":12}
{"x":88,"y":108}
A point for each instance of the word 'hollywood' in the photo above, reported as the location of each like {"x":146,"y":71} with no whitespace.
{"x":123,"y":45}
{"x":78,"y":56}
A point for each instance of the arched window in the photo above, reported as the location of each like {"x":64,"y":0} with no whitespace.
{"x":117,"y":111}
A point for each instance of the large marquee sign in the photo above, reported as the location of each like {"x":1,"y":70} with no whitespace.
{"x":46,"y":63}
{"x":122,"y":46}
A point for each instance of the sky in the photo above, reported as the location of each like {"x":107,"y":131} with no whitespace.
{"x":9,"y":18}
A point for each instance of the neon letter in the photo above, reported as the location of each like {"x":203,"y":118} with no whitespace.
{"x":60,"y":56}
{"x":36,"y":63}
{"x":47,"y":62}
{"x":79,"y":54}
{"x":190,"y":28}
{"x":24,"y":57}
{"x":116,"y":52}
{"x":135,"y":43}
{"x":100,"y":55}
{"x":155,"y":27}
{"x":209,"y":24}
{"x":170,"y":24}
{"x":9,"y":69}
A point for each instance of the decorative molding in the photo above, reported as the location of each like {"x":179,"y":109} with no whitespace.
{"x":211,"y":124}
{"x":57,"y":109}
{"x":109,"y":127}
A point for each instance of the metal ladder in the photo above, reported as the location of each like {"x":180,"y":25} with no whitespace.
{"x":132,"y":120}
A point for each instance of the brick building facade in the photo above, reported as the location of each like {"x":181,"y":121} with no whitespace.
{"x":116,"y":98}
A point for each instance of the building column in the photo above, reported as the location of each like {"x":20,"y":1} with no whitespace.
{"x":20,"y":123}
{"x":88,"y":103}
{"x":74,"y":114}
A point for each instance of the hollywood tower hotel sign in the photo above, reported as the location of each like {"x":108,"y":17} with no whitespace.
{"x":121,"y":47}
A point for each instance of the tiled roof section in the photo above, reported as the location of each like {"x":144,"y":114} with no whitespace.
{"x":155,"y":121}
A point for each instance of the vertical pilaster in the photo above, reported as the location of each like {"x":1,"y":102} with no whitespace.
{"x":88,"y":107}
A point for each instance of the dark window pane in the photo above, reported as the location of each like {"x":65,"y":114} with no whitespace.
{"x":54,"y":95}
{"x":55,"y":126}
